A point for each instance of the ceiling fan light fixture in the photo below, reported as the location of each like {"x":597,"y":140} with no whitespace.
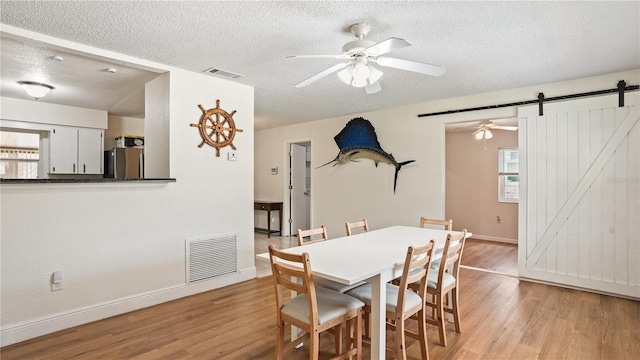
{"x":361,"y":73}
{"x":359,"y":82}
{"x":35,"y":89}
{"x":488,"y":134}
{"x":346,"y":74}
{"x":479,"y":135}
{"x":375,"y":74}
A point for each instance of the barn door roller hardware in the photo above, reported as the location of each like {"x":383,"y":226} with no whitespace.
{"x":620,"y":89}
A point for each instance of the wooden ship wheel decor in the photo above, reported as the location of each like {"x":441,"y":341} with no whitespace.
{"x":217,"y":128}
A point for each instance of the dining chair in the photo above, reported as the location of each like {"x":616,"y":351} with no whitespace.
{"x":362,"y":225}
{"x":448,"y":224}
{"x":402,"y":303}
{"x":321,"y":282}
{"x":446,"y":280}
{"x":312,"y":234}
{"x":312,"y":309}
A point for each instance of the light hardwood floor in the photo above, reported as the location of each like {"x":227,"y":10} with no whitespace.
{"x":502,"y":318}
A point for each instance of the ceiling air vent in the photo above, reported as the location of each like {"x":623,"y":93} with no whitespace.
{"x":222,"y":73}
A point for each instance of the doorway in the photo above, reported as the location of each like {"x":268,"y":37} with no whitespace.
{"x":297,"y":205}
{"x":474,"y":202}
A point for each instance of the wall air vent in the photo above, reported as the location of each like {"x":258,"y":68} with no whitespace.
{"x":222,"y":73}
{"x":210,"y":256}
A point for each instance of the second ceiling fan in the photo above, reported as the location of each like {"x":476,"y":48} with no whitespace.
{"x":485,"y":126}
{"x":357,"y":71}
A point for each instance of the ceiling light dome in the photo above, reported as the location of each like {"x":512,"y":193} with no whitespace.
{"x":35,"y":89}
{"x":360,"y":74}
{"x":488,"y":134}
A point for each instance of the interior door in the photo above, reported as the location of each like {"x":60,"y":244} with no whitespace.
{"x":579,"y":173}
{"x":297,"y":187}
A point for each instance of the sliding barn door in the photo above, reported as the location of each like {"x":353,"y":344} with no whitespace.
{"x":580,"y":178}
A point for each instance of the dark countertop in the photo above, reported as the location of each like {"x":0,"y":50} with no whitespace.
{"x":82,"y":181}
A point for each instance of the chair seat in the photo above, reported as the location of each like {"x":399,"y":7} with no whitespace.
{"x":334,"y":285}
{"x":331,"y":305}
{"x":363,"y":293}
{"x":447,"y":280}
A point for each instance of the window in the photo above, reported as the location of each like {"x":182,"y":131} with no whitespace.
{"x":508,"y":175}
{"x":18,"y":163}
{"x":19,"y":155}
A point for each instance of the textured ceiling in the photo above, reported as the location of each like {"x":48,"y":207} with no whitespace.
{"x":484,"y":46}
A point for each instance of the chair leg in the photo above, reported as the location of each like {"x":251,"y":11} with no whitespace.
{"x":314,"y":346}
{"x":367,"y":324}
{"x":441,"y":319}
{"x":280,"y":341}
{"x":358,"y":335}
{"x":337,"y":338}
{"x":456,"y":312}
{"x":422,"y":333}
{"x":401,"y":351}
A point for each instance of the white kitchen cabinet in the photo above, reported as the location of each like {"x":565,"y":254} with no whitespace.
{"x":90,"y":151}
{"x":76,"y":150}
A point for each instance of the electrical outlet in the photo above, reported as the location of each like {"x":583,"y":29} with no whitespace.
{"x":273,"y":220}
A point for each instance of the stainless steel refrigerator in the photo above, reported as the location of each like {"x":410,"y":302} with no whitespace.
{"x":124,"y":163}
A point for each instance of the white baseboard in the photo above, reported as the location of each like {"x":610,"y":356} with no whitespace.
{"x":493,"y":238}
{"x":30,"y":329}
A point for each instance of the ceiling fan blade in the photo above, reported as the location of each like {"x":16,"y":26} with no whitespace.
{"x":386,"y":46}
{"x":422,"y":68}
{"x":341,"y":56}
{"x":477,"y":131}
{"x":501,"y":127}
{"x":322,"y":74}
{"x":373,"y":88}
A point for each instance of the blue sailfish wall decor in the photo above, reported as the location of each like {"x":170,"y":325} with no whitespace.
{"x":358,"y":140}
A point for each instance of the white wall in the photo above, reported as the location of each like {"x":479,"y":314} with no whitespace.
{"x":357,"y":190}
{"x":472,"y":186}
{"x":122,"y":246}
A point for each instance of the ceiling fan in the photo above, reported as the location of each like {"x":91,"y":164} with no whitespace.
{"x":485,"y":126}
{"x":357,"y":71}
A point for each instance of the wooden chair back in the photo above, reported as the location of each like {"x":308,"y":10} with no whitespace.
{"x":362,"y":225}
{"x":451,"y":256}
{"x":314,"y":235}
{"x":448,"y":224}
{"x":415,"y":271}
{"x":290,"y":277}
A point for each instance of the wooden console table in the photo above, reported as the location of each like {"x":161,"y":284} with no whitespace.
{"x":268,"y":206}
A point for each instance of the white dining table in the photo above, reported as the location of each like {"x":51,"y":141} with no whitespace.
{"x":377,"y":257}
